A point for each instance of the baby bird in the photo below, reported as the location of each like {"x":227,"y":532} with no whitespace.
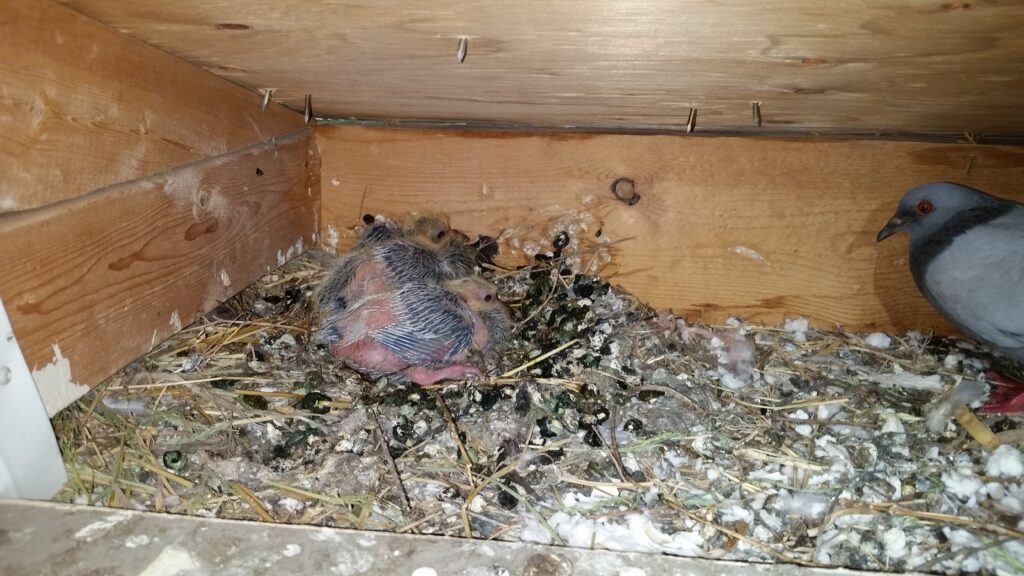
{"x":422,"y":330}
{"x":424,"y":249}
{"x":426,"y":229}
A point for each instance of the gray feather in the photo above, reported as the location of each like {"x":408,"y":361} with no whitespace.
{"x":432,"y":320}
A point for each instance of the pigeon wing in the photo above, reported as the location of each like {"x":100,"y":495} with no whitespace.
{"x":432,"y":325}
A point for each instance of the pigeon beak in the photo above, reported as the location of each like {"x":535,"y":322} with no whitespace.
{"x":894,"y":225}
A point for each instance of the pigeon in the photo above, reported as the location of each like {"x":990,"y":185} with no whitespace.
{"x":428,"y":229}
{"x":426,"y":249}
{"x":967,"y":258}
{"x":422,"y":330}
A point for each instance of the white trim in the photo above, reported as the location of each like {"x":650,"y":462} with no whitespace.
{"x":30,"y":462}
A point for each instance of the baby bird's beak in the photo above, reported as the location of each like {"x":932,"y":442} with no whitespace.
{"x":894,"y":225}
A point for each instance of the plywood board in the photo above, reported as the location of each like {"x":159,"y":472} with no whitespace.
{"x":760,"y":228}
{"x":865,"y":65}
{"x":94,"y":282}
{"x":83,"y":106}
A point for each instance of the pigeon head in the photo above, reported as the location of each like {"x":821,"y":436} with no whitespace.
{"x":479,"y":294}
{"x":433,"y":231}
{"x":925,"y":208}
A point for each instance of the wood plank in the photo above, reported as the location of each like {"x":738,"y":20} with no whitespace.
{"x":864,"y":65}
{"x":83,"y":106}
{"x":93,"y":282}
{"x":760,"y":228}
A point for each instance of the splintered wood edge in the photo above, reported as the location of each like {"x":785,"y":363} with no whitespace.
{"x":93,"y":282}
{"x":762,"y":229}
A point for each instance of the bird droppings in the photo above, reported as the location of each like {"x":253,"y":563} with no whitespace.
{"x":225,"y":280}
{"x":291,"y":550}
{"x":173,"y":561}
{"x":136,"y":541}
{"x":101,"y":527}
{"x":752,"y":254}
{"x":424,"y":571}
{"x":1005,"y":462}
{"x":878,"y":340}
{"x":175,"y":321}
{"x":604,"y":424}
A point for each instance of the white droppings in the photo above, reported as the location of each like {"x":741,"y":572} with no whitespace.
{"x":1005,"y":462}
{"x":136,"y":541}
{"x":291,"y":550}
{"x":332,"y":236}
{"x":797,"y":327}
{"x":878,"y":340}
{"x":963,"y":484}
{"x":589,"y":199}
{"x":55,"y":385}
{"x":173,"y":560}
{"x":351,"y":562}
{"x":324,"y":535}
{"x":752,"y":254}
{"x":424,"y":571}
{"x":335,"y":181}
{"x":631,"y":571}
{"x":8,"y":203}
{"x":895,"y":543}
{"x":175,"y":321}
{"x":101,"y":527}
{"x":225,"y":280}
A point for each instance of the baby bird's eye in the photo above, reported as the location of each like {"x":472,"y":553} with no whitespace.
{"x":488,"y":298}
{"x":924,"y":207}
{"x":440,"y":234}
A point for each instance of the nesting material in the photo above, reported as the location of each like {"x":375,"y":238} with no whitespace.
{"x":605,"y":424}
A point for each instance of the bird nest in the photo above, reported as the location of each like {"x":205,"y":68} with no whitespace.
{"x":607,"y":424}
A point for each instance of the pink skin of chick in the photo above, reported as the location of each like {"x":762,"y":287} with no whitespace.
{"x":423,"y":330}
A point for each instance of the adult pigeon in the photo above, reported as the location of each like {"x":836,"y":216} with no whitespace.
{"x":422,"y":330}
{"x":967,"y":258}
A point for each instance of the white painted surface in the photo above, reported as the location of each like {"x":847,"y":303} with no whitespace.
{"x":55,"y":385}
{"x":30,"y":463}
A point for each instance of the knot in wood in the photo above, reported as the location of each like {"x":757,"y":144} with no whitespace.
{"x":625,"y":191}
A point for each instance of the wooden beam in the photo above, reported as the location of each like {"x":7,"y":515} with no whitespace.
{"x":84,"y":106}
{"x":862,"y":65}
{"x":760,"y":228}
{"x":93,"y":282}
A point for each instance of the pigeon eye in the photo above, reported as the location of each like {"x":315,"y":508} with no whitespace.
{"x":488,"y":298}
{"x":924,"y":207}
{"x":440,"y":234}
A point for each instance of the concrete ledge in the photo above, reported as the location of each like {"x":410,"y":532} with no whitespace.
{"x":53,"y":539}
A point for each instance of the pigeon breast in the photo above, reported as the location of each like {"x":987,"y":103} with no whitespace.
{"x":977,"y":282}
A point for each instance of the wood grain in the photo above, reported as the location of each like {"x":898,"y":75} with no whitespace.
{"x":865,"y":65}
{"x":83,"y":106}
{"x":760,"y":228}
{"x":106,"y":276}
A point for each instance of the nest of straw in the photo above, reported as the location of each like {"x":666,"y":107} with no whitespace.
{"x":605,"y":424}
